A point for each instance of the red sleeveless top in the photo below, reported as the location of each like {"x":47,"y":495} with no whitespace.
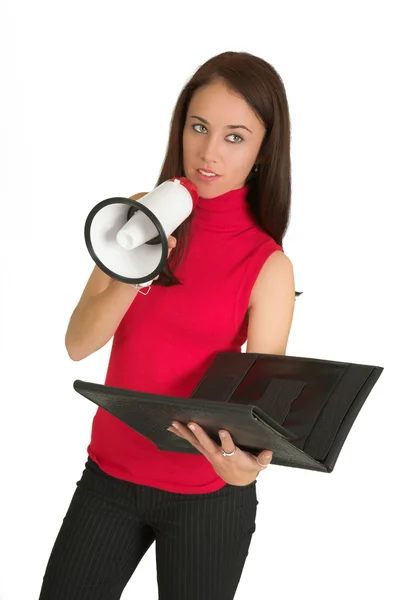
{"x":168,"y":339}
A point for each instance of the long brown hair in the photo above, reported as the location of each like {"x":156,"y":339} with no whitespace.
{"x":269,"y":195}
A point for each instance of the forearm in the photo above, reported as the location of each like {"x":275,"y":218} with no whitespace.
{"x":94,"y":322}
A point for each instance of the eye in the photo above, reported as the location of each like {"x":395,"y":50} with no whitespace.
{"x":240,"y":139}
{"x":234,"y":135}
{"x":199,"y":125}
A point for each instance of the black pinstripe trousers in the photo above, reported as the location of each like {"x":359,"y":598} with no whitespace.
{"x":202,"y":540}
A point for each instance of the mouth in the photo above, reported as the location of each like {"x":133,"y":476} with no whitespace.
{"x":207,"y":175}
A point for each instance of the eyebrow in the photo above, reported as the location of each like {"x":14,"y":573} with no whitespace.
{"x":229,"y":126}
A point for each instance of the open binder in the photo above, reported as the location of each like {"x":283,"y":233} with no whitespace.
{"x":300,"y":408}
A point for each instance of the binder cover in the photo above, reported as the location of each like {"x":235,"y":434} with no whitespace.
{"x":300,"y":408}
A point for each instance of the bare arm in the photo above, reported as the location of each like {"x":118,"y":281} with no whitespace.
{"x":96,"y":317}
{"x":272,"y":307}
{"x":100,"y":310}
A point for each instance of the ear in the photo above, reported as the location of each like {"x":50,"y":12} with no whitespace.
{"x":260,"y":159}
{"x":261,"y":152}
{"x":261,"y":155}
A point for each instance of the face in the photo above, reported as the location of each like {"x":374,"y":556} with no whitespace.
{"x":222,"y":134}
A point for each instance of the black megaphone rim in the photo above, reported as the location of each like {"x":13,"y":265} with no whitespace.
{"x":154,"y":220}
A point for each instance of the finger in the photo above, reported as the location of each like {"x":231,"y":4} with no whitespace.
{"x":264,"y":459}
{"x":174,"y":431}
{"x":171,"y":245}
{"x":227,"y":442}
{"x":187,"y":435}
{"x":206,"y":442}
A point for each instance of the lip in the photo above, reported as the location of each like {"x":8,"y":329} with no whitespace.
{"x":207,"y":170}
{"x":204,"y":177}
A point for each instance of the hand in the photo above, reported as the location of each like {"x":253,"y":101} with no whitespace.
{"x":171,"y":244}
{"x":241,"y":468}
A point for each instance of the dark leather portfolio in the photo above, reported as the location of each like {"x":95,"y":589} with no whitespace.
{"x":300,"y":408}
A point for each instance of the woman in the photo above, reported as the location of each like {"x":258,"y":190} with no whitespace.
{"x":227,"y":280}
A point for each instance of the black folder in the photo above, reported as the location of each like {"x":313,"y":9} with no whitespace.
{"x":300,"y":408}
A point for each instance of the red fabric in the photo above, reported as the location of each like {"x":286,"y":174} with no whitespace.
{"x":168,"y":339}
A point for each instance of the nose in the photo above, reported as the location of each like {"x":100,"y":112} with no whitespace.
{"x":210,"y":152}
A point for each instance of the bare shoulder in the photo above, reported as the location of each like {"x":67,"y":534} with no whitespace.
{"x":275,"y":277}
{"x":137,"y":196}
{"x":271,"y":306}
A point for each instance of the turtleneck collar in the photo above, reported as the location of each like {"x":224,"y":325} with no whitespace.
{"x":227,"y":212}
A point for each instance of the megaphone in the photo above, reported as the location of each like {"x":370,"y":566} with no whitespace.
{"x":128,"y":239}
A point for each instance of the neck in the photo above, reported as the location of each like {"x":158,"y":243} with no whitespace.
{"x":227,"y":212}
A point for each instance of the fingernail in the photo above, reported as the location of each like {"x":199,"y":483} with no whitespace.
{"x":191,"y":427}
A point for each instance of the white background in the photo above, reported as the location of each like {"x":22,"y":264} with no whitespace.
{"x":88,"y":89}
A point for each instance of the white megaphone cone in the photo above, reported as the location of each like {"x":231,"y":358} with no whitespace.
{"x":134,"y":249}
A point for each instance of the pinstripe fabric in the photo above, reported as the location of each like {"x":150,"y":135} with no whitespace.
{"x":202,"y":540}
